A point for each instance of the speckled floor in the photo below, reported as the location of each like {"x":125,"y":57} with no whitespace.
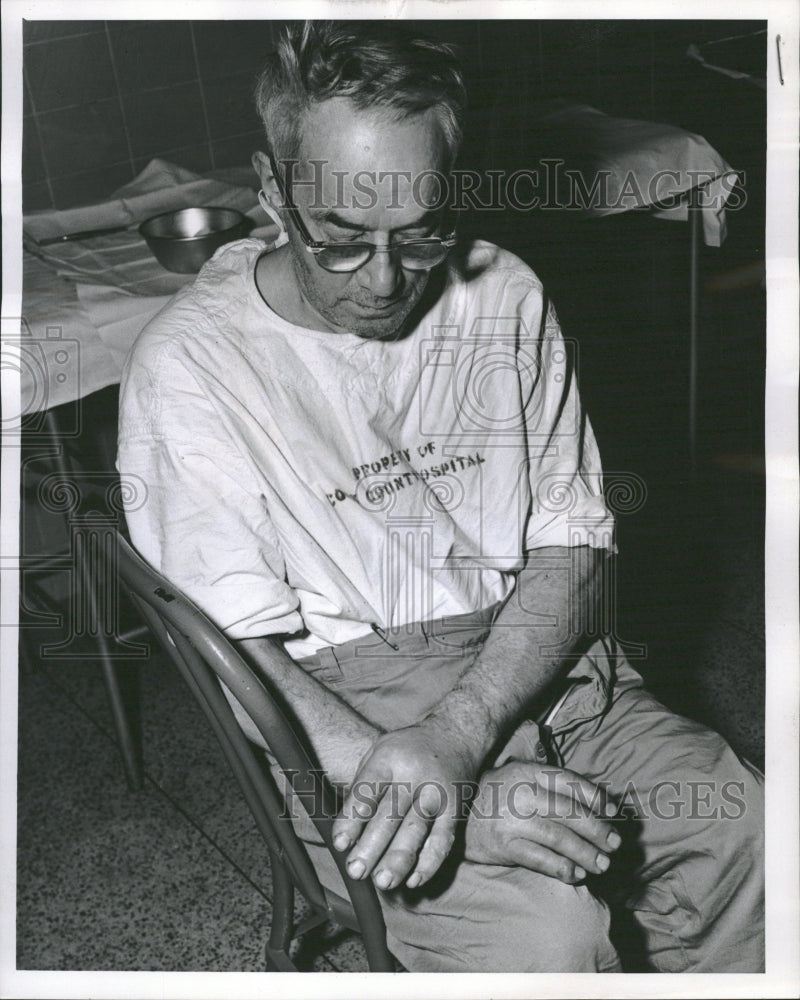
{"x":175,"y":877}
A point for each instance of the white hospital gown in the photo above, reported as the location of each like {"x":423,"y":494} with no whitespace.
{"x":319,"y":484}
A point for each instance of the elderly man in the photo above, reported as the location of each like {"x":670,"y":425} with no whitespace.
{"x":367,"y":461}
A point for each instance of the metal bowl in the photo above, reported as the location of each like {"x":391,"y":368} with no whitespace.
{"x":183,"y":241}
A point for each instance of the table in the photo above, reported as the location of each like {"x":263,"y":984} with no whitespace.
{"x":597,"y":165}
{"x":84,"y":303}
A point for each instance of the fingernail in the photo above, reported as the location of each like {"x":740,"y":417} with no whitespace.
{"x":580,"y":872}
{"x":614,"y":840}
{"x":341,"y":841}
{"x":356,"y":868}
{"x":603,"y":862}
{"x":383,"y":879}
{"x":413,"y":880}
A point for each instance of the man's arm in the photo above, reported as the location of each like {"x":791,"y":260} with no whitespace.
{"x":338,"y":734}
{"x":533,"y":641}
{"x":535,"y":637}
{"x":562,"y":844}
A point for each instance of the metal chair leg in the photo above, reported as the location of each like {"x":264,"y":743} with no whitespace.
{"x":92,"y":577}
{"x":125,"y":716}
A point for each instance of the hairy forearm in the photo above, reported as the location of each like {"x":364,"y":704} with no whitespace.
{"x":530,"y":645}
{"x":531,"y":642}
{"x":337,"y":734}
{"x":534,"y":638}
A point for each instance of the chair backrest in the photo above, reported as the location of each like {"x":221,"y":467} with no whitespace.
{"x":205,"y":657}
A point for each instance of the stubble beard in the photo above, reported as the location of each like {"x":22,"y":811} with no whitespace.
{"x":375,"y":327}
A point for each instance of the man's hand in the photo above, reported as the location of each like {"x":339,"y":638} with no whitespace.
{"x":403,"y":805}
{"x":544,"y":818}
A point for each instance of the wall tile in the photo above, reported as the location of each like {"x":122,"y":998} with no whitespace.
{"x":197,"y":157}
{"x":41,"y":31}
{"x":32,"y":163}
{"x":230,"y":106}
{"x":69,"y":72}
{"x":150,"y":54}
{"x":236,"y":151}
{"x":225,"y":48}
{"x":77,"y":139}
{"x":36,"y":196}
{"x":90,"y":185}
{"x":164,"y":119}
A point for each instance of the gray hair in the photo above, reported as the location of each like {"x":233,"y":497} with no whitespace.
{"x":372,"y":63}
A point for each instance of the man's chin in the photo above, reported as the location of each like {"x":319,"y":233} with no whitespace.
{"x":376,"y":324}
{"x":385,"y":329}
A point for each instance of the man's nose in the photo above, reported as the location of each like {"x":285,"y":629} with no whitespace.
{"x":383,"y":275}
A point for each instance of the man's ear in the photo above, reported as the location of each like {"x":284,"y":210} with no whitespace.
{"x":263,"y":167}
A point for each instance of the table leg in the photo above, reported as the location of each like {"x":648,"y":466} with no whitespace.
{"x":694,"y":230}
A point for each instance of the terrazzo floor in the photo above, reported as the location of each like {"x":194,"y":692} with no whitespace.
{"x":175,"y":877}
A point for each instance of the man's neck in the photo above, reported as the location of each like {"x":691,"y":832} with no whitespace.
{"x":277,"y":284}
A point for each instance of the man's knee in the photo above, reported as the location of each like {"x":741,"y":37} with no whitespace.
{"x":702,"y":898}
{"x":494,"y":919}
{"x":721,"y":805}
{"x":574,"y":933}
{"x":742,"y":813}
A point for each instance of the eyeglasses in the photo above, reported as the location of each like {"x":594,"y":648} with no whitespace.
{"x":341,"y":256}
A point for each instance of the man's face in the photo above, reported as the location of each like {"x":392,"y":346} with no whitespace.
{"x":369,"y":185}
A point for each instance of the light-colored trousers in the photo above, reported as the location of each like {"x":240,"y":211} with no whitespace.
{"x":686,"y":888}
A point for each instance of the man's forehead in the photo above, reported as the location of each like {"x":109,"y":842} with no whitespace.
{"x":343,"y":144}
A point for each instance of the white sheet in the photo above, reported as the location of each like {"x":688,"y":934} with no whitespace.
{"x":642,"y":163}
{"x":115,"y":284}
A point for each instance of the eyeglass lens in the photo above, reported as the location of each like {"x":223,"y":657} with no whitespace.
{"x":413,"y":256}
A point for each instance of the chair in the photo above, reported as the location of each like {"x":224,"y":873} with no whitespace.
{"x":205,"y":657}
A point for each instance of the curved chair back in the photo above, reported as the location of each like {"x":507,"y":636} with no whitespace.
{"x":205,"y":657}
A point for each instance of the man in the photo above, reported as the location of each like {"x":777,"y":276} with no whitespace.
{"x":367,"y":461}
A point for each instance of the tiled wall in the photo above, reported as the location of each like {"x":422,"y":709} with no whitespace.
{"x":103,"y":97}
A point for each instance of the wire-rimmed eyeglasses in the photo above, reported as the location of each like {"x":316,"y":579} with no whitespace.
{"x":341,"y":256}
